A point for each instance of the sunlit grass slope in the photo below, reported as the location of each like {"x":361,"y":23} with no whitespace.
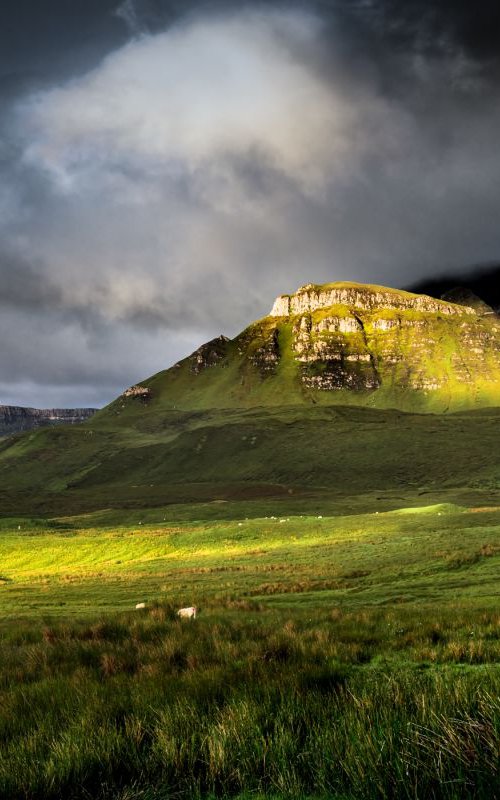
{"x":463,"y":378}
{"x":409,"y":555}
{"x":341,"y":344}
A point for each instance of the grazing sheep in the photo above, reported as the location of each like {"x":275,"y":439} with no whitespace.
{"x":187,"y":613}
{"x":141,"y":605}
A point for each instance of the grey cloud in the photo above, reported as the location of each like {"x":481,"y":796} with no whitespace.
{"x":23,"y":286}
{"x":49,"y":358}
{"x":128,"y":241}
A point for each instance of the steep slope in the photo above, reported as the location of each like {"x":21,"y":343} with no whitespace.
{"x":323,"y":396}
{"x":17,"y":418}
{"x":341,"y":343}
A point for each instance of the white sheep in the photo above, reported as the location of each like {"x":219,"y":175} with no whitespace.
{"x":187,"y":613}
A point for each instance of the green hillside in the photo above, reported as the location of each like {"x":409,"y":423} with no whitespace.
{"x":284,"y":452}
{"x":344,"y":344}
{"x":325,"y":395}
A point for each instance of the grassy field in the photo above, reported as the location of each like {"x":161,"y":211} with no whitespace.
{"x":346,"y":566}
{"x":96,"y":561}
{"x":335,"y":655}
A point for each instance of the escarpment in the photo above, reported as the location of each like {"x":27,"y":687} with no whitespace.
{"x":349,"y":344}
{"x":367,"y":298}
{"x":14,"y":419}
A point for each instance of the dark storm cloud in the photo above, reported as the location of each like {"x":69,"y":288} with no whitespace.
{"x":60,"y":38}
{"x":167,"y":167}
{"x":51,"y":41}
{"x":382,"y":27}
{"x":24,"y":286}
{"x":483,"y":281}
{"x":432,"y":28}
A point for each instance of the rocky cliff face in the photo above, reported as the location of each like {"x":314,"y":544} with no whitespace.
{"x":358,"y":296}
{"x":209,"y":354}
{"x":366,"y":344}
{"x":364,"y":338}
{"x":16,"y":418}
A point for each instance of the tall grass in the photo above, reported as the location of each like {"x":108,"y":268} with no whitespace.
{"x":367,"y":705}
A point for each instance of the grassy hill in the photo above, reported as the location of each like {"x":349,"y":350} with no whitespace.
{"x":395,"y":351}
{"x":324,"y":397}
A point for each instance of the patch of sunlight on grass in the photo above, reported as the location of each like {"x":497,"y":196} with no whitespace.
{"x":437,"y":508}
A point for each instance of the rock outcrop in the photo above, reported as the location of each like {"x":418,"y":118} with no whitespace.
{"x":17,"y":418}
{"x":209,"y":354}
{"x":139,"y":392}
{"x":358,"y":296}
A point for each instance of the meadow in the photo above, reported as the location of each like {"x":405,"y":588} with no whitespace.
{"x":351,"y":655}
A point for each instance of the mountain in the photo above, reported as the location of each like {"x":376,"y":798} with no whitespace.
{"x":324,"y":397}
{"x":463,"y":296}
{"x":483,"y":282}
{"x":16,"y":418}
{"x":340,"y":343}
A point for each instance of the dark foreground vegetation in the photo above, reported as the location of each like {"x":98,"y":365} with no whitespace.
{"x":252,"y":702}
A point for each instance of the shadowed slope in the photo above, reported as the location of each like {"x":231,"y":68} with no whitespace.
{"x":237,"y":454}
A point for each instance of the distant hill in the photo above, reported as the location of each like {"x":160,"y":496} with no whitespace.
{"x":16,"y":418}
{"x":484,"y":282}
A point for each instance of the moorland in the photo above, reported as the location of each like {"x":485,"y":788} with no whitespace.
{"x":344,"y":558}
{"x":347,"y":645}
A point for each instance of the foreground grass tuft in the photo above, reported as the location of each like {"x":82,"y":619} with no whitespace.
{"x":150,"y":707}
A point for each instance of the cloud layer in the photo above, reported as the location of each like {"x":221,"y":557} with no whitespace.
{"x":169,"y":192}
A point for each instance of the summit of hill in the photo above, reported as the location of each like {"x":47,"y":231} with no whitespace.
{"x":339,"y":344}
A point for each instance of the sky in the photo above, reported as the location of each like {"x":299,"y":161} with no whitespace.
{"x":167,"y":167}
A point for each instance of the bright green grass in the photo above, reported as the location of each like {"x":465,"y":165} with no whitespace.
{"x":349,"y":656}
{"x":410,"y":555}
